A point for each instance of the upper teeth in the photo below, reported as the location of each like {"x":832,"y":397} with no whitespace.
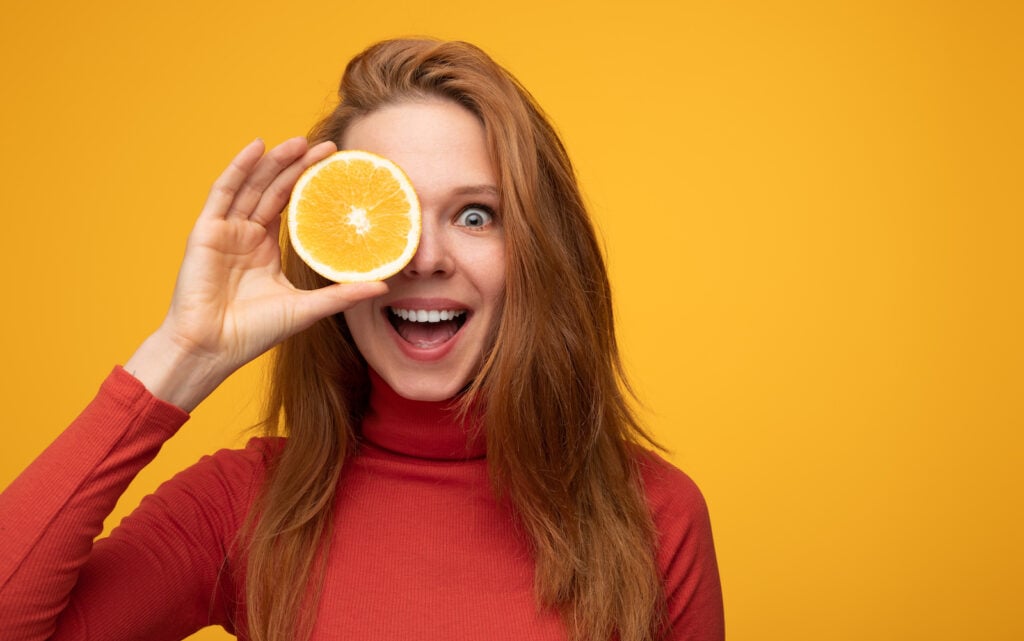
{"x":427,"y":316}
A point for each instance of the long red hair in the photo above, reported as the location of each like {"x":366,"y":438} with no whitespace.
{"x":561,"y":438}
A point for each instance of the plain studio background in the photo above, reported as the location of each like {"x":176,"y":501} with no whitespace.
{"x":813,"y":220}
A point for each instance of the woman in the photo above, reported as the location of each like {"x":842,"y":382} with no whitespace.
{"x":477,"y":477}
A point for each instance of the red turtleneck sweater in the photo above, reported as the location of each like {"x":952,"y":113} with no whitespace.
{"x":420,"y":548}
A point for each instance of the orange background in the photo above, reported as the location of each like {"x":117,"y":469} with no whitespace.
{"x":813,"y":219}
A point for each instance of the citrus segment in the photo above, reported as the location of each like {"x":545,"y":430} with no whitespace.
{"x":354,"y":216}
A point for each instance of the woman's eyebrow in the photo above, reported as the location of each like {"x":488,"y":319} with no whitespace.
{"x":477,"y":189}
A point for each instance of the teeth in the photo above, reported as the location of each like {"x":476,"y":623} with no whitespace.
{"x":427,"y":316}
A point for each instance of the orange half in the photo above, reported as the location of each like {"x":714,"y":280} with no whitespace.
{"x":354,"y":216}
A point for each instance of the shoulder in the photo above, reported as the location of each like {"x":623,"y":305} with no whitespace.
{"x":671,"y":493}
{"x":235,"y":472}
{"x":685,"y":551}
{"x":253,"y":459}
{"x":678,"y":508}
{"x":219,"y":488}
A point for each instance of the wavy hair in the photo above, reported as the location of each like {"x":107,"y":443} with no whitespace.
{"x":561,"y":437}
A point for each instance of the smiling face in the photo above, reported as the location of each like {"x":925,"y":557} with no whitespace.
{"x":427,"y":336}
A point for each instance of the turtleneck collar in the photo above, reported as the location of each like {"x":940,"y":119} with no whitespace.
{"x":421,"y":429}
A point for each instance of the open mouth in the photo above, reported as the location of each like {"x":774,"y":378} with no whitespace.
{"x":426,"y":328}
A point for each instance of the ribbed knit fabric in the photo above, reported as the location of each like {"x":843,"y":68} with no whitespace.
{"x":420,"y":548}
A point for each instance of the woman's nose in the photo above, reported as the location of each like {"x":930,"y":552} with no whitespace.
{"x":432,"y":256}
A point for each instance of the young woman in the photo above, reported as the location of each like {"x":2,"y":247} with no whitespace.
{"x":477,"y":477}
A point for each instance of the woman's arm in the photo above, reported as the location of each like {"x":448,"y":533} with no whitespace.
{"x":231,"y":303}
{"x":51,"y":513}
{"x":169,"y":569}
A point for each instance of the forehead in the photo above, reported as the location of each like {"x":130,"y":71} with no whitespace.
{"x":438,"y":143}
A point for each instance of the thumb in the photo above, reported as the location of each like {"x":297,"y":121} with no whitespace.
{"x":332,"y":299}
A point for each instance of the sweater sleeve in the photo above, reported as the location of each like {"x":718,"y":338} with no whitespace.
{"x":156,"y":576}
{"x":686,"y":553}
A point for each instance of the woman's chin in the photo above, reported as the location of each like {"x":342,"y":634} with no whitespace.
{"x":424,"y":386}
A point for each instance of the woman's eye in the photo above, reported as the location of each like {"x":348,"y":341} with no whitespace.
{"x":475,"y":216}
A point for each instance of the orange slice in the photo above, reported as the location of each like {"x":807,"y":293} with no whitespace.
{"x":354,"y":216}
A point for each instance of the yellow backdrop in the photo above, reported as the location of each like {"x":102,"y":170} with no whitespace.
{"x":813,"y":220}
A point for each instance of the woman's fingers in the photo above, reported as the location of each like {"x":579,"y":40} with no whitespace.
{"x":226,"y":187}
{"x":263,"y":175}
{"x":243,"y":185}
{"x":333,"y":299}
{"x":275,"y":196}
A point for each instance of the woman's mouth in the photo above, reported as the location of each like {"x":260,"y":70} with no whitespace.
{"x":426,"y":328}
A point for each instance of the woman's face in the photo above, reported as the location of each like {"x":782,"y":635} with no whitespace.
{"x":427,"y":335}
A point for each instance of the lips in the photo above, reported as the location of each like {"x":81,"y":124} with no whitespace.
{"x":425,"y":327}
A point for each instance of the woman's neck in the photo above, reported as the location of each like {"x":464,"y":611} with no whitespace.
{"x":421,"y":429}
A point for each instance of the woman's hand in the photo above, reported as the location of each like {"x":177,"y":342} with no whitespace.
{"x":232,"y":302}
